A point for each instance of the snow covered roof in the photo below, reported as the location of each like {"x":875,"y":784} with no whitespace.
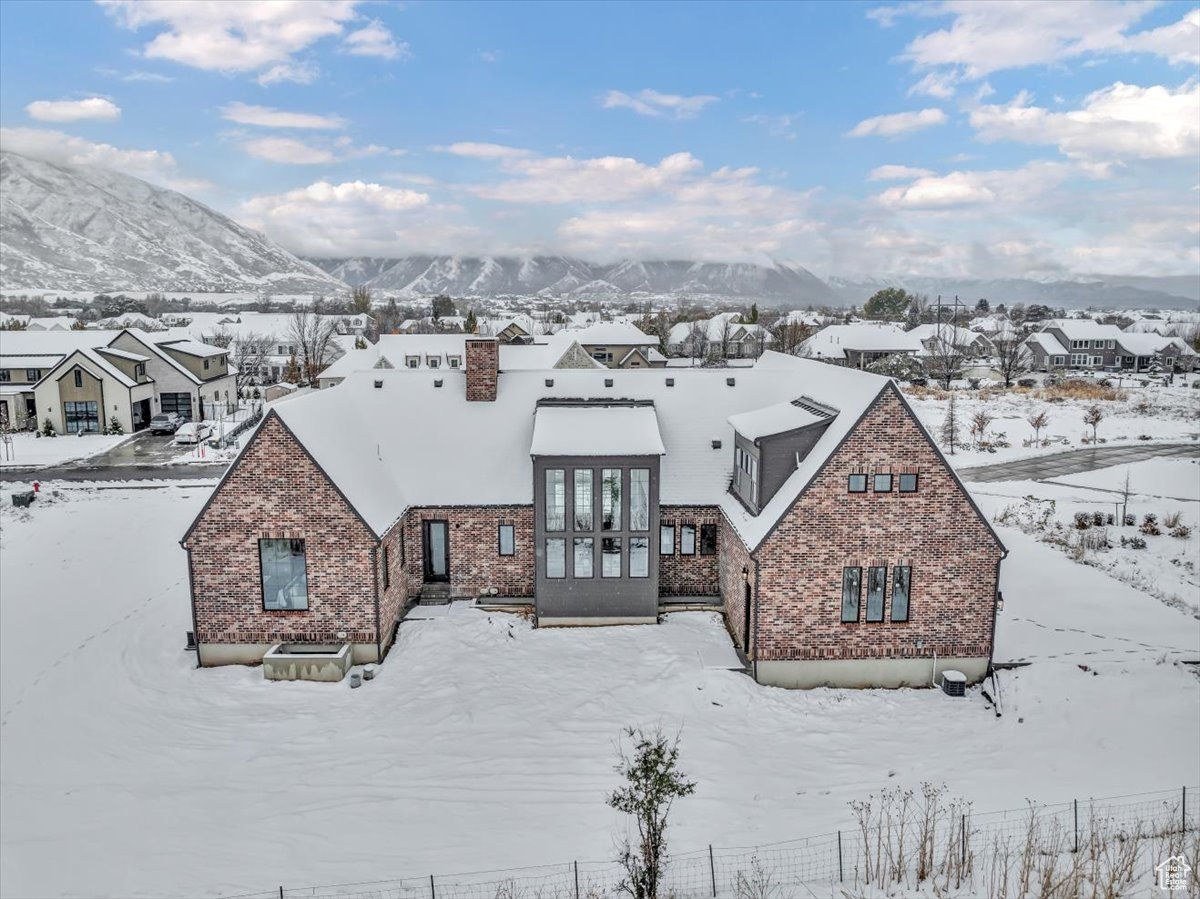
{"x":780,"y":418}
{"x":610,"y":333}
{"x":191,"y":347}
{"x":1048,"y":343}
{"x":44,"y":361}
{"x":596,"y":430}
{"x":478,"y":453}
{"x":1083,"y":329}
{"x":873,"y":337}
{"x":947,"y":332}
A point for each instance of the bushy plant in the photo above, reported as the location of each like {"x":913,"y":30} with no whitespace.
{"x":1027,"y":382}
{"x":1150,"y":525}
{"x":1172,"y":519}
{"x":1182,"y":531}
{"x":114,"y":426}
{"x":48,"y":428}
{"x":1083,"y":521}
{"x":1133,"y":542}
{"x":1130,"y":519}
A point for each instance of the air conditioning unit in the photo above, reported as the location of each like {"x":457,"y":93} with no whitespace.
{"x":954,"y":683}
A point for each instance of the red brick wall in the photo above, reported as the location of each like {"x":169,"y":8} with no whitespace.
{"x":475,"y":561}
{"x":483,"y":367}
{"x":952,"y":553}
{"x":694,"y":575}
{"x":734,"y":559}
{"x":275,"y":490}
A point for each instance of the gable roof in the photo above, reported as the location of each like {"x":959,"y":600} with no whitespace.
{"x":871,"y":337}
{"x":594,"y":429}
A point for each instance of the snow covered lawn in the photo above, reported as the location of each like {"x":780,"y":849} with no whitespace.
{"x":486,"y":744}
{"x":27,"y":449}
{"x":1170,"y":478}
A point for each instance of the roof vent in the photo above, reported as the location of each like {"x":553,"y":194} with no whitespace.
{"x":437,"y":382}
{"x":378,"y":385}
{"x":716,"y":444}
{"x":670,"y":382}
{"x":812,"y":406}
{"x":608,"y":382}
{"x":729,"y":382}
{"x":549,"y":382}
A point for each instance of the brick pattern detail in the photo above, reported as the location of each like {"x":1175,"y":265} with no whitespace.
{"x":475,"y":560}
{"x":276,"y":490}
{"x":483,"y":368}
{"x":694,"y":575}
{"x":735,"y":559}
{"x":952,"y":553}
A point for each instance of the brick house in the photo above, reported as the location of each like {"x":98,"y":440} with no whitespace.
{"x":805,"y":502}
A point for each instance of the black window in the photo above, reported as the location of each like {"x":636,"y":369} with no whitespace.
{"x":901,"y":587}
{"x":666,"y":539}
{"x":687,"y":539}
{"x":507,"y":540}
{"x":851,"y":591}
{"x":883,"y":483}
{"x":610,"y":557}
{"x":386,"y":573}
{"x":83,"y":416}
{"x":206,"y":365}
{"x":708,"y":539}
{"x":585,"y":554}
{"x":858,"y":483}
{"x":139,"y":370}
{"x":33,"y":374}
{"x":5,"y":374}
{"x":556,"y":557}
{"x":876,"y":578}
{"x":78,"y":378}
{"x":908,"y":483}
{"x":284,"y":574}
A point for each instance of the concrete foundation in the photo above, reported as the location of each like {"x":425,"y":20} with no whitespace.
{"x":562,"y":621}
{"x":865,"y":673}
{"x":299,"y":661}
{"x":214,"y":654}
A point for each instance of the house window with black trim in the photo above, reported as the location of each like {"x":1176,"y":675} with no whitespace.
{"x":610,"y":557}
{"x":851,"y":592}
{"x":507,"y":540}
{"x":883,"y":483}
{"x":5,"y":375}
{"x":139,"y":370}
{"x":433,"y":361}
{"x":206,"y":365}
{"x":876,"y":581}
{"x":610,"y":500}
{"x":33,"y":374}
{"x":901,"y":590}
{"x":284,"y":574}
{"x":556,"y":557}
{"x":387,"y":576}
{"x":78,"y":378}
{"x":708,"y":539}
{"x":857,"y":483}
{"x":583,"y":499}
{"x":585,"y":555}
{"x":413,"y":361}
{"x":666,"y":539}
{"x":556,"y":500}
{"x":908,"y":482}
{"x":639,"y":556}
{"x":687,"y":539}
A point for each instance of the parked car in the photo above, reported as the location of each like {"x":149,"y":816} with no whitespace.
{"x":165,"y":423}
{"x":193,"y":432}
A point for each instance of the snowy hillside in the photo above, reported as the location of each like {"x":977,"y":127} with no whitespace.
{"x":562,"y":276}
{"x":74,"y":227}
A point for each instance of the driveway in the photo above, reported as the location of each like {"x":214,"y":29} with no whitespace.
{"x":144,"y":457}
{"x":1054,"y":465}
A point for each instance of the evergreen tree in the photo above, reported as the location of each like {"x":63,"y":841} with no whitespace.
{"x":472,"y":323}
{"x":951,"y":427}
{"x":891,"y":303}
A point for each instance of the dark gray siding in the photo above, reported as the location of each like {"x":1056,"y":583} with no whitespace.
{"x":777,"y":456}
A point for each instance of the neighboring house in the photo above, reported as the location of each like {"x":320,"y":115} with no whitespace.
{"x":428,"y":352}
{"x":192,"y":379}
{"x":131,"y":320}
{"x":1085,"y":345}
{"x":1042,"y":351}
{"x":721,"y":337}
{"x":858,"y":345}
{"x":971,"y":345}
{"x":53,"y":323}
{"x":845,"y":551}
{"x":617,"y":345}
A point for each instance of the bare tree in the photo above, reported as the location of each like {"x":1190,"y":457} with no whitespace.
{"x":1010,"y":354}
{"x":249,"y":355}
{"x":950,"y":425}
{"x":222,"y":338}
{"x":726,"y":336}
{"x":1092,"y":418}
{"x":698,"y":340}
{"x":1037,"y":421}
{"x":979,"y":425}
{"x":788,"y":335}
{"x":313,"y":335}
{"x":945,"y":356}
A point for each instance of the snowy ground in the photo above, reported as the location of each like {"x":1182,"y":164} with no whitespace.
{"x":27,"y":449}
{"x":486,"y":744}
{"x":1144,"y":415}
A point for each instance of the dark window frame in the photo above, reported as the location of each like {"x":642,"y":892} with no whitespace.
{"x":857,"y":597}
{"x":664,"y":526}
{"x":685,"y":527}
{"x":619,"y":543}
{"x":875,"y":482}
{"x":556,"y":577}
{"x":387,"y":578}
{"x":867,"y":617}
{"x":916,"y":481}
{"x":642,"y":539}
{"x":896,"y":569}
{"x":78,"y":379}
{"x":512,"y":528}
{"x":708,"y":544}
{"x":850,"y":483}
{"x":206,"y":365}
{"x":262,"y":581}
{"x":33,"y":374}
{"x":575,"y":575}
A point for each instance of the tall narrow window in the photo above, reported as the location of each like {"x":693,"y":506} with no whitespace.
{"x":556,"y":500}
{"x":851,"y":591}
{"x":386,"y":574}
{"x":876,"y":579}
{"x":901,"y":587}
{"x":556,"y":557}
{"x":78,"y":378}
{"x":639,"y":499}
{"x":610,"y":499}
{"x":610,"y":557}
{"x":666,"y":539}
{"x":583,"y":499}
{"x":507,"y":540}
{"x":284,"y":576}
{"x":583,"y":556}
{"x":687,"y":539}
{"x":639,"y":556}
{"x":708,"y":539}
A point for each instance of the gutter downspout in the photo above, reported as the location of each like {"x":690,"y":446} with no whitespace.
{"x":995,"y":612}
{"x":754,"y":618}
{"x":192,"y":597}
{"x":375,"y":577}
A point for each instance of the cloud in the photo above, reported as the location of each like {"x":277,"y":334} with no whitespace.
{"x":156,"y":166}
{"x":988,"y":36}
{"x":476,"y":150}
{"x":898,"y":123}
{"x":266,"y":117}
{"x":133,"y":76}
{"x":565,"y":179}
{"x":490,"y":55}
{"x":939,"y":85}
{"x":293,"y":151}
{"x":783,"y":125}
{"x":94,"y":109}
{"x":652,"y":103}
{"x":896,"y":173}
{"x":248,"y":36}
{"x":1116,"y":122}
{"x":375,"y":40}
{"x":939,"y":191}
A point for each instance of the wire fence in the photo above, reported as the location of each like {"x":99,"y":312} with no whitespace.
{"x":899,"y":838}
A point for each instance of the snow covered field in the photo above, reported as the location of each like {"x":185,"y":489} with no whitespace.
{"x":27,"y":449}
{"x":487,"y":744}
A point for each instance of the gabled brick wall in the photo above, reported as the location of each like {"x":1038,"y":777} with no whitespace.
{"x":953,"y":554}
{"x":475,"y":560}
{"x":276,"y":490}
{"x":734,"y":560}
{"x":694,"y":575}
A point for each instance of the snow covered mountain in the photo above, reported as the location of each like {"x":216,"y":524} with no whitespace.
{"x":562,"y":276}
{"x":80,"y":228}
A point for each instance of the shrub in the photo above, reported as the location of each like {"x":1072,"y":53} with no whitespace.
{"x":1098,"y":519}
{"x":973,"y":383}
{"x":1083,"y":521}
{"x":1172,"y":519}
{"x":1096,"y":539}
{"x":48,"y":428}
{"x":1027,"y":382}
{"x":1130,"y":519}
{"x":1150,"y":525}
{"x":1182,"y":531}
{"x":1133,"y":542}
{"x":114,"y":426}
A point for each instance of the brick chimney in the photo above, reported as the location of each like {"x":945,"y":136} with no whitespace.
{"x":483,"y":369}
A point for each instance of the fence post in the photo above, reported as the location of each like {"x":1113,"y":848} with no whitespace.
{"x":712,"y":869}
{"x":432,"y":891}
{"x":1075,"y":805}
{"x":281,"y":891}
{"x":576,"y":864}
{"x":964,"y":842}
{"x":841,"y":873}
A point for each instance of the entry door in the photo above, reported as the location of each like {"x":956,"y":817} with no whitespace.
{"x":437,"y":551}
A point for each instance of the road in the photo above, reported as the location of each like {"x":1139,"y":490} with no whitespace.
{"x":1054,"y":465}
{"x":144,"y":457}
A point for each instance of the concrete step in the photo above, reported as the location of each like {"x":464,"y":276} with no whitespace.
{"x":435,"y":594}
